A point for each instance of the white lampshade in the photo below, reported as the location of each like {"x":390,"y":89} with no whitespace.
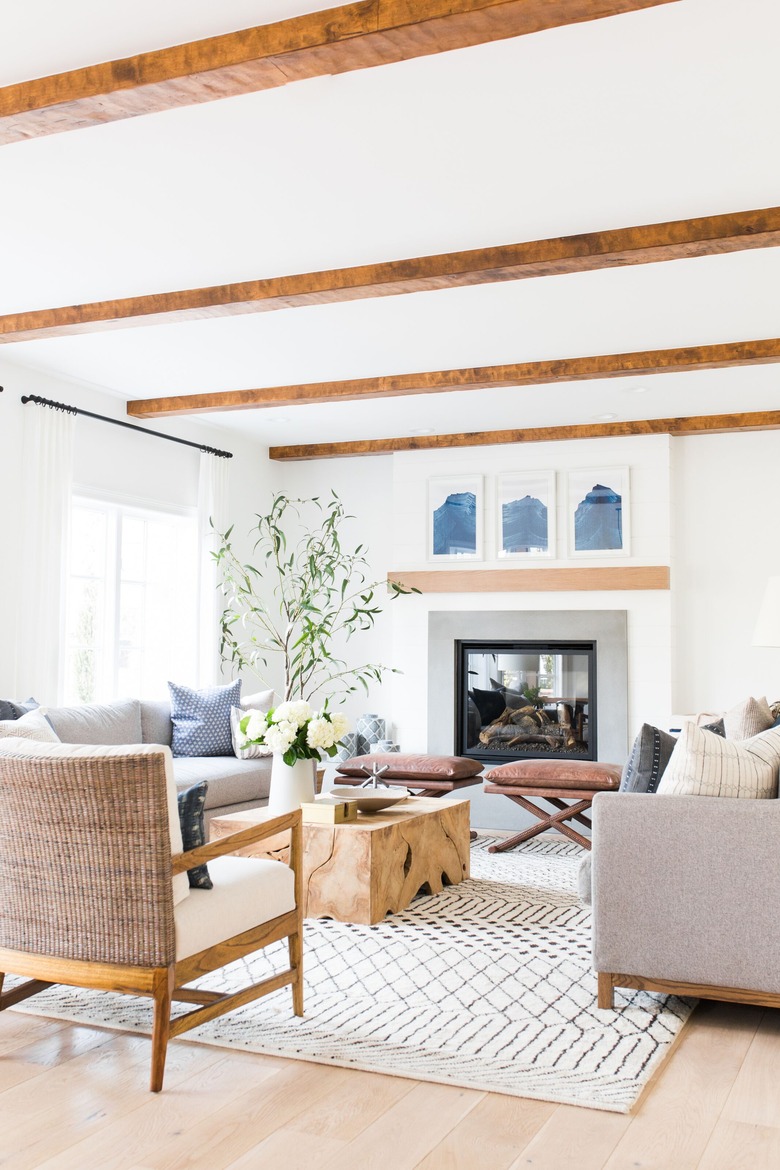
{"x":767,"y":631}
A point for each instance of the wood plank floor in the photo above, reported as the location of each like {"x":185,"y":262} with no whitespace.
{"x":73,"y":1098}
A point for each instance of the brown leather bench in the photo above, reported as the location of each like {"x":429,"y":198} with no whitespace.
{"x":556,"y":782}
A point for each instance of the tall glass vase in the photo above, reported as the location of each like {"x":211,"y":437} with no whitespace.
{"x":291,"y":784}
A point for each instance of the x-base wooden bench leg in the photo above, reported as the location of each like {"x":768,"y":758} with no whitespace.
{"x":546,"y":821}
{"x":583,"y":820}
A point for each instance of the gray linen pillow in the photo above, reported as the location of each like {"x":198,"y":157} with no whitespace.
{"x":748,"y":718}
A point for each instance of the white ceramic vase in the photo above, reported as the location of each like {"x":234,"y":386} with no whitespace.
{"x":291,"y":784}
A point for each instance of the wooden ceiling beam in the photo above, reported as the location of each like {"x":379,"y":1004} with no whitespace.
{"x":645,"y":244}
{"x":614,"y":365}
{"x":708,"y":424}
{"x":338,"y":40}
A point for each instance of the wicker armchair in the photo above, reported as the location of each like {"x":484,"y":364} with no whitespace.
{"x":94,"y":893}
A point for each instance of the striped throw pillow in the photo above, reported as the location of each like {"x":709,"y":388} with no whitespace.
{"x":703,"y":764}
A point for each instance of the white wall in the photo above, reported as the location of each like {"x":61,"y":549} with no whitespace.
{"x":111,"y":459}
{"x":388,"y":496}
{"x":365,"y":486}
{"x":649,"y":613}
{"x":725,"y":491}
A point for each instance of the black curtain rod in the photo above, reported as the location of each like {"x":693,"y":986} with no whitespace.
{"x":117,"y":422}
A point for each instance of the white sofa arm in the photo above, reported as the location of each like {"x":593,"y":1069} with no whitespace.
{"x":687,"y":889}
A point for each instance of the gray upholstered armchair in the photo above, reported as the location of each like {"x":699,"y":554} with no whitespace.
{"x":94,"y":890}
{"x":685,"y":891}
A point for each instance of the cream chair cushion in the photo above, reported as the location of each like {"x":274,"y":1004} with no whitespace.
{"x":29,"y":748}
{"x":246,"y":892}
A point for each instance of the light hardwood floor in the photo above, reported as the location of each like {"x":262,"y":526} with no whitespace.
{"x":75,"y":1098}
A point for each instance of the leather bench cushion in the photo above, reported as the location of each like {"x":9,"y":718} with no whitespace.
{"x":408,"y":767}
{"x":575,"y":774}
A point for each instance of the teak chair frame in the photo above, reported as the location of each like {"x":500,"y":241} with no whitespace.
{"x":165,"y":982}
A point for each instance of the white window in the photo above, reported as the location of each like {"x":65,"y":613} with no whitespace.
{"x":131,"y":601}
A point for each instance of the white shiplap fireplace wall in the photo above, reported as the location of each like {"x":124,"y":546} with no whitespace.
{"x":648,"y":620}
{"x":388,"y":498}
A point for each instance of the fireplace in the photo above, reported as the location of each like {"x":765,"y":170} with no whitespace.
{"x":602,"y":633}
{"x":525,"y":700}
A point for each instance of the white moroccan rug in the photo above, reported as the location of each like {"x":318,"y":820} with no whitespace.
{"x":487,"y":986}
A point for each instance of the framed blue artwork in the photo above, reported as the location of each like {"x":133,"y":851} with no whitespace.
{"x":599,"y":510}
{"x":455,"y":507}
{"x":526,"y":514}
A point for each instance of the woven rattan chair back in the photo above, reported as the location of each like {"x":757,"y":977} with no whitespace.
{"x":85,"y":859}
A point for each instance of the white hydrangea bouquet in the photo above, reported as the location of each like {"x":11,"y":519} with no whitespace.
{"x":295,"y":731}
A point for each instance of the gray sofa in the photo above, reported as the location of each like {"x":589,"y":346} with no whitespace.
{"x":233,"y":784}
{"x":685,"y":891}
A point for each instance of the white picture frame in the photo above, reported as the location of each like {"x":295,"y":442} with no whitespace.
{"x":593,"y":533}
{"x":455,"y":526}
{"x":528,"y":530}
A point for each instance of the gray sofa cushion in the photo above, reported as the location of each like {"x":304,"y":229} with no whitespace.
{"x":100,"y":723}
{"x":156,"y":724}
{"x":230,"y":781}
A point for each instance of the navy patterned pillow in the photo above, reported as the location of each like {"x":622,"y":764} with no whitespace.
{"x":192,"y":802}
{"x":201,"y":719}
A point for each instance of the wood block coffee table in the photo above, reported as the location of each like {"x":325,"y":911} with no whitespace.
{"x":362,"y":871}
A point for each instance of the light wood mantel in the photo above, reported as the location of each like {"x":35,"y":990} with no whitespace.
{"x":534,"y":580}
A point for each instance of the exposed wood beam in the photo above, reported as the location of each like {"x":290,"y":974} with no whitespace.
{"x":613,"y":365}
{"x":712,"y":424}
{"x":338,"y":40}
{"x":646,"y":244}
{"x":534,"y":580}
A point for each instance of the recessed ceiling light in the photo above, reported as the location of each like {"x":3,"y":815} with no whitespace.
{"x":278,"y":418}
{"x":603,"y":417}
{"x":422,"y":431}
{"x":636,"y":389}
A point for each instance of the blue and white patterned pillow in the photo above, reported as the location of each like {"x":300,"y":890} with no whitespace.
{"x":201,"y":719}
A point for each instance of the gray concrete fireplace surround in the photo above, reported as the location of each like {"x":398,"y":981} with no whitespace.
{"x":607,"y":628}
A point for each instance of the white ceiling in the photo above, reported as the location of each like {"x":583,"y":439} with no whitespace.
{"x":661,"y":114}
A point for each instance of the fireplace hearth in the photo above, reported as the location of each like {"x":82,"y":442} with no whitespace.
{"x":604,"y":630}
{"x":525,"y":700}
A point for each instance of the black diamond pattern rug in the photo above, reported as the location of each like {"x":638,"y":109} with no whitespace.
{"x":487,"y":985}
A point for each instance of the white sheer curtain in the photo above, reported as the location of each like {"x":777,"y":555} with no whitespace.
{"x":212,"y":507}
{"x":46,"y":502}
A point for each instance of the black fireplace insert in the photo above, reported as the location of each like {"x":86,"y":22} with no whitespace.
{"x":525,"y":700}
